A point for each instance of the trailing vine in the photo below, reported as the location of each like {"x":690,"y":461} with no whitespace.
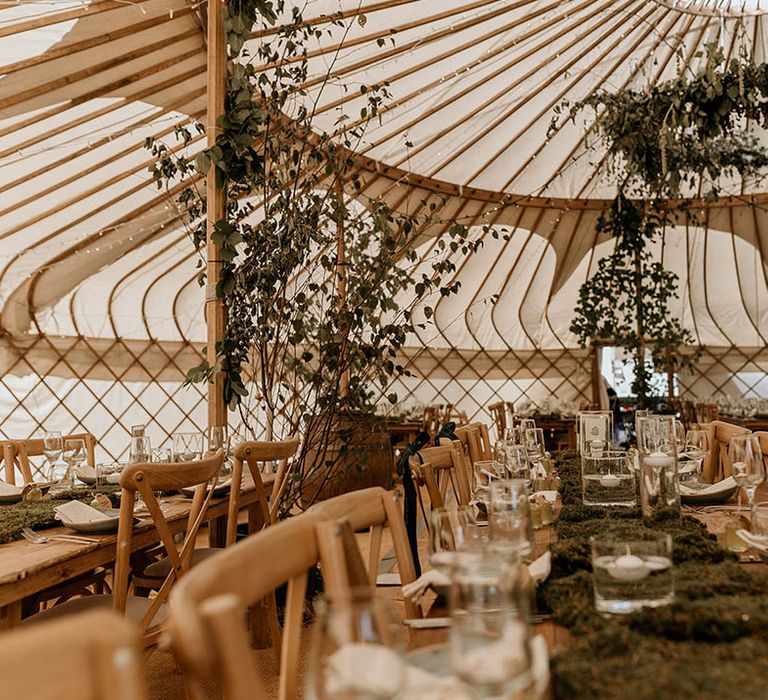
{"x":322,"y":284}
{"x":684,"y":137}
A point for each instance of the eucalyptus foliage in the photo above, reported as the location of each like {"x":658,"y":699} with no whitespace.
{"x":315,"y":272}
{"x":682,"y":137}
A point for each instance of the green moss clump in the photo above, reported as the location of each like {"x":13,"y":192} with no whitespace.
{"x":715,"y":631}
{"x":39,"y":515}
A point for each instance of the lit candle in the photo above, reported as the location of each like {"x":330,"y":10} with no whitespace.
{"x":629,"y":568}
{"x":659,"y":459}
{"x":610,"y":481}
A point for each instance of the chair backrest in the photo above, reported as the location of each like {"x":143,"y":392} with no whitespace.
{"x":717,"y":465}
{"x":205,"y":621}
{"x":501,"y":412}
{"x":146,"y":479}
{"x":762,"y":436}
{"x":16,"y":454}
{"x":435,"y":416}
{"x":440,"y":467}
{"x":373,"y":508}
{"x":92,"y":656}
{"x":477,"y":441}
{"x":255,"y":453}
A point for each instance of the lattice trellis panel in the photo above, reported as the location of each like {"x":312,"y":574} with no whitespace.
{"x":103,"y":387}
{"x":733,"y":372}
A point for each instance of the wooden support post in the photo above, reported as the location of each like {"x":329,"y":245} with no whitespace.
{"x":597,"y":378}
{"x":216,"y":206}
{"x":341,"y":269}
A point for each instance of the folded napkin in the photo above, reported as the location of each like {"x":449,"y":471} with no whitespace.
{"x":9,"y":489}
{"x":711,"y":490}
{"x":79,"y":512}
{"x":538,"y":569}
{"x":363,"y":669}
{"x":423,"y":685}
{"x":758,"y":542}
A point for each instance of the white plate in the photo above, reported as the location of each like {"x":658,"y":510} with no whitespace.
{"x":86,"y":474}
{"x":221,"y":489}
{"x":8,"y":498}
{"x":109,"y":524}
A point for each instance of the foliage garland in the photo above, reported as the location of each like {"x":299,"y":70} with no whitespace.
{"x":678,"y":138}
{"x":713,"y":633}
{"x":312,"y":281}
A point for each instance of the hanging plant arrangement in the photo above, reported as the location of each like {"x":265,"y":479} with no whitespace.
{"x":681,"y":138}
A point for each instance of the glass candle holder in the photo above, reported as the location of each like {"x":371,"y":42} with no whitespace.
{"x":659,"y":481}
{"x":632,"y":574}
{"x":607,"y":479}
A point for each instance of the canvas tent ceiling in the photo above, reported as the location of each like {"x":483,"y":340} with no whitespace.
{"x":89,"y":247}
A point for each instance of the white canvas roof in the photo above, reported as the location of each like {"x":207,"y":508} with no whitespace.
{"x":89,"y":246}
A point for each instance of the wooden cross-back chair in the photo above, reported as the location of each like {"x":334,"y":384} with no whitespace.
{"x":254,"y":454}
{"x":476,"y":440}
{"x":206,"y":626}
{"x":435,"y":416}
{"x":146,"y":479}
{"x":94,"y":656}
{"x":501,"y":412}
{"x":374,"y":508}
{"x":16,"y":454}
{"x":717,"y":465}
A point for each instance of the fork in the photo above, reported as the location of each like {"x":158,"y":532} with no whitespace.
{"x":36,"y":538}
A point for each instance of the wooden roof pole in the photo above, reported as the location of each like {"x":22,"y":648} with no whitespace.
{"x":216,"y":209}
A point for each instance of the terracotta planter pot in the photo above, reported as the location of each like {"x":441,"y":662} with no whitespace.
{"x":367,"y":462}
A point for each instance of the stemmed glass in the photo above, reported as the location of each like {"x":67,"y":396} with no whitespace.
{"x":517,"y":466}
{"x":357,"y":649}
{"x":534,"y":447}
{"x":140,"y":450}
{"x":218,"y":439}
{"x":490,"y":637}
{"x":747,"y":466}
{"x":453,"y":532}
{"x":52,"y":446}
{"x":187,"y":446}
{"x":696,"y":450}
{"x":74,"y":456}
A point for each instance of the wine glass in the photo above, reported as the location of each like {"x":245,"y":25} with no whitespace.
{"x":74,"y":456}
{"x":696,"y":450}
{"x":357,"y":649}
{"x":52,"y":446}
{"x":452,"y":532}
{"x":187,"y":446}
{"x":490,"y":637}
{"x":534,"y":445}
{"x":680,"y":436}
{"x":527,"y":424}
{"x":747,"y":466}
{"x":217,"y":440}
{"x":517,"y":466}
{"x":140,"y":450}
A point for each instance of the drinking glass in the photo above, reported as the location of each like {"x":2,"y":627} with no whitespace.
{"x":217,"y":440}
{"x":140,"y":451}
{"x":357,"y":649}
{"x":453,"y":531}
{"x":162,"y":455}
{"x":74,"y":455}
{"x":534,"y":447}
{"x":680,"y":436}
{"x":629,"y":575}
{"x":527,"y":424}
{"x":108,"y":474}
{"x":484,"y":472}
{"x":513,"y":435}
{"x":760,"y":518}
{"x":517,"y":465}
{"x":52,"y":446}
{"x":747,"y":466}
{"x":490,"y":637}
{"x":659,"y":479}
{"x":187,"y":446}
{"x":607,"y":479}
{"x":696,"y":450}
{"x":509,"y":518}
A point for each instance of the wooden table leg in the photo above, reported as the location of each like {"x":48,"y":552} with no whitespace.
{"x":10,"y":615}
{"x":217,"y":532}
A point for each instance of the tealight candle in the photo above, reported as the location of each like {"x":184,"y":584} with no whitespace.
{"x":629,"y":568}
{"x":659,"y":459}
{"x":610,"y":481}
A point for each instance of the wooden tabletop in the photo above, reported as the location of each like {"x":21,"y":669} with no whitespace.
{"x":27,"y":568}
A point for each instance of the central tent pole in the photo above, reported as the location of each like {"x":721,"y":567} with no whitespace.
{"x":216,"y":208}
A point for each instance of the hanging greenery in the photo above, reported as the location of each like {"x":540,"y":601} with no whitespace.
{"x":321,"y":283}
{"x":681,"y":138}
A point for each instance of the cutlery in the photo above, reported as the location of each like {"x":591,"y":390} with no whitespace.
{"x":36,"y":538}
